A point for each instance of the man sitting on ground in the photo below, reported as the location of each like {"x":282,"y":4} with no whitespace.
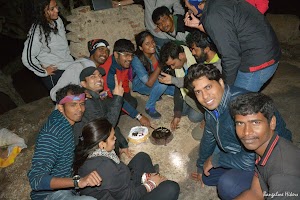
{"x":173,"y":25}
{"x":223,"y":160}
{"x":51,"y":169}
{"x":203,"y":49}
{"x":278,"y":160}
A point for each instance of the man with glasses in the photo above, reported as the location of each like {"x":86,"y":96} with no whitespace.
{"x":123,"y":54}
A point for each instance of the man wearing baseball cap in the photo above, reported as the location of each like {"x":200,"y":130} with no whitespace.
{"x":99,"y":53}
{"x":91,"y":79}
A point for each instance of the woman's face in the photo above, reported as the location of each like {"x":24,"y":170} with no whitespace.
{"x":51,"y":11}
{"x":148,"y":46}
{"x":109,"y":145}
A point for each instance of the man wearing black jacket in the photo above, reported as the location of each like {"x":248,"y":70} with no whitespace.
{"x":245,"y":40}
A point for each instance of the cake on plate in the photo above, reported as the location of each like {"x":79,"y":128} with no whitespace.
{"x":138,"y":134}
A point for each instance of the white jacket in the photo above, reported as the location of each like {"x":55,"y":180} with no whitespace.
{"x":37,"y":55}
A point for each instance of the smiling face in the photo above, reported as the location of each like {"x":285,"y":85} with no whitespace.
{"x":100,"y":55}
{"x":124,"y":58}
{"x":148,"y":46}
{"x":255,"y":131}
{"x":165,"y":24}
{"x":72,"y":110}
{"x":208,"y":92}
{"x":93,"y":82}
{"x":51,"y":11}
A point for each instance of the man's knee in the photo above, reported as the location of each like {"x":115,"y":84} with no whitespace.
{"x":170,"y":188}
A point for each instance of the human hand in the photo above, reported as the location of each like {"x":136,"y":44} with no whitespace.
{"x":128,"y":153}
{"x":174,"y":123}
{"x":165,"y":78}
{"x":118,"y":90}
{"x":144,"y":121}
{"x":207,"y":166}
{"x":157,"y":178}
{"x":50,"y":69}
{"x":92,"y":179}
{"x":157,"y":30}
{"x":197,"y":177}
{"x":191,"y":21}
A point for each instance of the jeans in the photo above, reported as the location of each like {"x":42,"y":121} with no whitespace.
{"x":67,"y":195}
{"x":154,"y":92}
{"x":167,"y":190}
{"x":50,"y":81}
{"x":160,"y":42}
{"x":230,"y":182}
{"x":193,"y":115}
{"x":253,"y":81}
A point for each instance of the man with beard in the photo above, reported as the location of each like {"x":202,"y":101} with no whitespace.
{"x":203,"y":49}
{"x":123,"y":54}
{"x":51,"y":169}
{"x":99,"y":52}
{"x":179,"y":58}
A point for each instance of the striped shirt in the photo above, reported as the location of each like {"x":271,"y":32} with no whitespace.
{"x":53,"y":156}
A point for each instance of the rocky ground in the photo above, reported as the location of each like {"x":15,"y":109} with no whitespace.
{"x":177,"y":159}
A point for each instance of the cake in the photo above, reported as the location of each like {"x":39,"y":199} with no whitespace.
{"x":138,"y":134}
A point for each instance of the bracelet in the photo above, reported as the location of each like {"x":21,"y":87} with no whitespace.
{"x":139,"y":116}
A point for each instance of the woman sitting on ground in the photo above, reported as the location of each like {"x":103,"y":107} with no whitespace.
{"x":146,"y":69}
{"x":46,"y":51}
{"x":95,"y":151}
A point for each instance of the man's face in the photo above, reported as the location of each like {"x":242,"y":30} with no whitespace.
{"x":124,"y":58}
{"x":176,"y":63}
{"x":51,"y":11}
{"x":208,"y":92}
{"x":100,"y":56}
{"x":93,"y":82}
{"x":255,"y":131}
{"x":198,"y":53}
{"x":73,"y":110}
{"x":165,"y":24}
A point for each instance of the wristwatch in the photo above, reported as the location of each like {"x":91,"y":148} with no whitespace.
{"x":76,"y":180}
{"x":139,"y":116}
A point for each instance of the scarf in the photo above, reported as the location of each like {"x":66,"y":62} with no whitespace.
{"x":101,"y":152}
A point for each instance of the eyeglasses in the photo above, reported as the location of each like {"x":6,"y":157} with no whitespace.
{"x":126,"y":54}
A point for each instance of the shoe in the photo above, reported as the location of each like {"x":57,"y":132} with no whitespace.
{"x":197,"y":132}
{"x":153,"y":113}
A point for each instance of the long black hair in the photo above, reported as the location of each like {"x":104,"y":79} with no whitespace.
{"x":94,"y":132}
{"x":139,"y":39}
{"x":41,"y":20}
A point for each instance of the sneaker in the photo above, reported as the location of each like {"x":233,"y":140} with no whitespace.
{"x":153,"y":113}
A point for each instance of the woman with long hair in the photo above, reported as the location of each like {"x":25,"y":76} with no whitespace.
{"x":146,"y":70}
{"x":46,"y":51}
{"x":95,"y":151}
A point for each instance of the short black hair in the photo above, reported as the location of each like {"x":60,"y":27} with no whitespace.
{"x":160,"y":12}
{"x":70,"y":89}
{"x":201,"y":40}
{"x":196,"y":71}
{"x":169,"y":49}
{"x":124,"y":45}
{"x":253,"y":103}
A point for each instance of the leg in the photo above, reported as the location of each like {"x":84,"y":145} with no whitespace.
{"x":253,"y":81}
{"x":234,"y":182}
{"x":67,"y":195}
{"x":194,"y":116}
{"x":140,"y":164}
{"x":160,"y":42}
{"x":130,"y":99}
{"x":167,"y":190}
{"x":50,"y":81}
{"x":213,"y":178}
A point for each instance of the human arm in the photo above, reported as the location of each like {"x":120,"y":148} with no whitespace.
{"x":169,"y":79}
{"x":254,"y":192}
{"x":178,"y":106}
{"x":190,"y":7}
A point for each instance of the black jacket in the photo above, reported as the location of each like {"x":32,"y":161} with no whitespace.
{"x":243,"y":36}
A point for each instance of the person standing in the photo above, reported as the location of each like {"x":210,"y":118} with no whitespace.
{"x":46,"y":52}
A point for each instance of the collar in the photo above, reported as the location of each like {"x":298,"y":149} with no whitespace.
{"x":214,"y":60}
{"x":263,"y":161}
{"x":93,"y":94}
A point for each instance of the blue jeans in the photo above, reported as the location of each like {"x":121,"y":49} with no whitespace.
{"x":154,"y":92}
{"x":230,"y":182}
{"x":160,"y":42}
{"x":193,"y":115}
{"x":67,"y":195}
{"x":253,"y":81}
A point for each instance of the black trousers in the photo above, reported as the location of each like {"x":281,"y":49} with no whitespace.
{"x":141,"y":163}
{"x":50,"y":81}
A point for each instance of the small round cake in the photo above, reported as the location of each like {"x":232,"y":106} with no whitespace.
{"x":138,"y":134}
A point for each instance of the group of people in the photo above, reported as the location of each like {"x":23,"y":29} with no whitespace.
{"x":213,"y":60}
